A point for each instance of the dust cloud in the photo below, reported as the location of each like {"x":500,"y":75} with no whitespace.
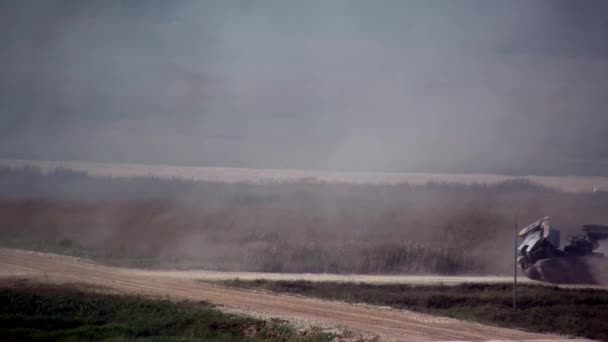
{"x":281,"y":227}
{"x":496,"y":87}
{"x":501,"y":87}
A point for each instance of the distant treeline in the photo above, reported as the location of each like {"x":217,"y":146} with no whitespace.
{"x":33,"y":181}
{"x":280,"y":227}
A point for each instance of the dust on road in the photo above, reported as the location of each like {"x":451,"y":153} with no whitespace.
{"x":388,"y":324}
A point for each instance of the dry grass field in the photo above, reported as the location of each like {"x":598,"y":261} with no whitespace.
{"x":294,"y":227}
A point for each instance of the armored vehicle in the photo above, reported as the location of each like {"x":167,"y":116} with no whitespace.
{"x":540,"y":256}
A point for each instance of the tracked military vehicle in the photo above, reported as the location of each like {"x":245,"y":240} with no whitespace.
{"x":540,"y":256}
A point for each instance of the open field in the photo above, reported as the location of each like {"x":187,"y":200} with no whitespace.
{"x":386,"y":323}
{"x":540,"y":308}
{"x":175,"y":233}
{"x":446,"y":229}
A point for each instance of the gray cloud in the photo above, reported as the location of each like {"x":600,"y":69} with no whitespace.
{"x":467,"y":86}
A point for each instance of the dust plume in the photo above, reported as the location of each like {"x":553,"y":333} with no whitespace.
{"x":280,"y":227}
{"x":502,"y":87}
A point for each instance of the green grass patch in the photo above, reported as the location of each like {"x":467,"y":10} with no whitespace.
{"x":52,"y":313}
{"x":578,"y":312}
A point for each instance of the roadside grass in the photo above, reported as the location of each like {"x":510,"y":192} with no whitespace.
{"x":36,"y":312}
{"x":576,"y":312}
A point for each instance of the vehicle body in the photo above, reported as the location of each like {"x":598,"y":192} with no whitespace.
{"x":540,"y":256}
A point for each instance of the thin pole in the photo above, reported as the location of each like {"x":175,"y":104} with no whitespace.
{"x":515,"y":268}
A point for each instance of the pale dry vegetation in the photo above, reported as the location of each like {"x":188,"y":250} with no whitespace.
{"x":299,"y":227}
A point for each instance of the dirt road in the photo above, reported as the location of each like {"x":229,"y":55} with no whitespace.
{"x":389,"y":324}
{"x":351,"y":278}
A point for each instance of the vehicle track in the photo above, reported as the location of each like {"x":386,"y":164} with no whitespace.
{"x":389,"y":324}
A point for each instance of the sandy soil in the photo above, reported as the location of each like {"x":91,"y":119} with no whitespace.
{"x":388,"y":324}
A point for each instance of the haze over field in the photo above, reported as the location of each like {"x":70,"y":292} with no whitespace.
{"x":149,"y":146}
{"x":256,"y":176}
{"x":515,"y":87}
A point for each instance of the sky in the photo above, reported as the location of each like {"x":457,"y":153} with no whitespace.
{"x":513,"y":86}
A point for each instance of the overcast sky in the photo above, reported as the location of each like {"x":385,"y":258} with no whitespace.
{"x":440,"y":86}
